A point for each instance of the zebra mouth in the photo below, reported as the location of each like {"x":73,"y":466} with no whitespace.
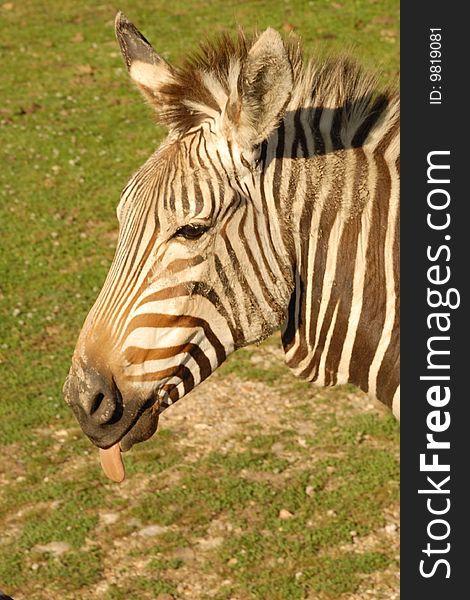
{"x":143,"y":429}
{"x":111,"y":458}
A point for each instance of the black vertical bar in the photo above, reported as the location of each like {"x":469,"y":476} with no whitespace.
{"x":435,"y":259}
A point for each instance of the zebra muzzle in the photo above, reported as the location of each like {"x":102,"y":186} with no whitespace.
{"x":112,"y":422}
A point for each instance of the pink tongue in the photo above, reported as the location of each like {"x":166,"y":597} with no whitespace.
{"x":111,"y":463}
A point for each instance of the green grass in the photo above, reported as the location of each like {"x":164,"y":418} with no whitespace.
{"x":72,"y":131}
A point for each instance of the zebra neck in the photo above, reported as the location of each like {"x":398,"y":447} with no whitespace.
{"x":342,"y":323}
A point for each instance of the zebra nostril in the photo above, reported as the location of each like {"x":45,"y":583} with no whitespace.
{"x":104,"y":409}
{"x":96,"y":403}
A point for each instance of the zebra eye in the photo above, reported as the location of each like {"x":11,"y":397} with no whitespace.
{"x":191,"y":232}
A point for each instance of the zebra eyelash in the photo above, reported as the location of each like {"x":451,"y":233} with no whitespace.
{"x":192,"y":231}
{"x":248,"y":165}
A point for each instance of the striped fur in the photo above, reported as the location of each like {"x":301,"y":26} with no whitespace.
{"x":300,"y":203}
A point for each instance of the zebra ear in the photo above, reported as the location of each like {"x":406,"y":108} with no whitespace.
{"x":147,"y":69}
{"x":264,"y":89}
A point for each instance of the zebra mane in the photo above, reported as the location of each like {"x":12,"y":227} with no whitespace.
{"x":202,"y":84}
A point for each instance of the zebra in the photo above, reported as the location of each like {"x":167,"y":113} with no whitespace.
{"x":273,"y":203}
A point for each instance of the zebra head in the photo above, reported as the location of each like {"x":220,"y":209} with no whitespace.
{"x":202,"y":262}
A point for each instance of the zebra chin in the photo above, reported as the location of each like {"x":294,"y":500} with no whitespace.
{"x":141,"y":431}
{"x":128,"y":431}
